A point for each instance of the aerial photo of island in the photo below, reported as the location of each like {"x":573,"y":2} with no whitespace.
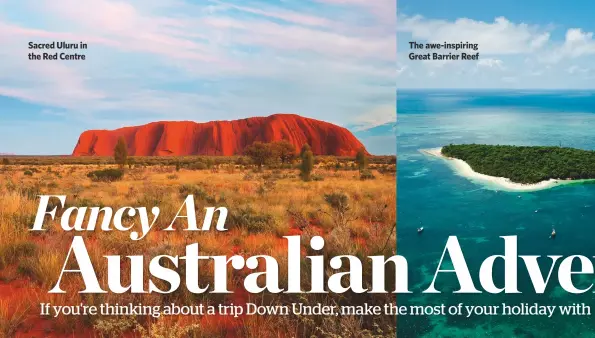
{"x":500,"y":146}
{"x":483,"y":164}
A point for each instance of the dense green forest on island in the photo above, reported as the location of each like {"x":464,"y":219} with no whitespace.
{"x":524,"y":164}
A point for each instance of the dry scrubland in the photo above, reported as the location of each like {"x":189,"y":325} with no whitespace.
{"x":264,"y":206}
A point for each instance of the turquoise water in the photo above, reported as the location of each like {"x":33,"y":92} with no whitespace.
{"x":431,"y":195}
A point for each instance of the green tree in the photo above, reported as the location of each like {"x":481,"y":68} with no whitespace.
{"x":307,"y":162}
{"x":121,"y":152}
{"x":361,"y":159}
{"x":260,"y":153}
{"x":284,"y":150}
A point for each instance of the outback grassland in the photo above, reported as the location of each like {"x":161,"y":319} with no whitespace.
{"x":354,"y":212}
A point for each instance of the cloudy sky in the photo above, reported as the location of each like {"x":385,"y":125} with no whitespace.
{"x":530,"y":44}
{"x":151,"y":60}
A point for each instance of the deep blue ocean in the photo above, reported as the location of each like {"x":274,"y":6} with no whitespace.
{"x":432,"y":195}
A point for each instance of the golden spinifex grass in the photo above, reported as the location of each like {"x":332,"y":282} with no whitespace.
{"x":263,"y":206}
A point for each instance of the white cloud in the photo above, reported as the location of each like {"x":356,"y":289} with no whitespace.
{"x":577,"y":43}
{"x":285,"y":15}
{"x":296,"y":38}
{"x":577,"y":70}
{"x":401,"y":69}
{"x":498,"y":37}
{"x":490,"y":63}
{"x":376,"y":117}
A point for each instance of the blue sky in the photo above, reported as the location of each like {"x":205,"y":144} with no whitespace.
{"x":529,"y":44}
{"x":201,"y":60}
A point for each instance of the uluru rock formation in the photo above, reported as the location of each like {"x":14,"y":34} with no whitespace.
{"x":225,"y":138}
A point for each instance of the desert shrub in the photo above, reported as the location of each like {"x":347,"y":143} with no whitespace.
{"x":193,"y":189}
{"x":163,"y":329}
{"x":241,"y":160}
{"x":172,"y":177}
{"x":5,"y":161}
{"x":198,"y":166}
{"x":121,"y":152}
{"x":121,"y":244}
{"x":267,"y":185}
{"x":106,"y":175}
{"x":347,"y":326}
{"x":132,"y":192}
{"x":317,"y":178}
{"x":13,"y":252}
{"x":248,"y":177}
{"x":11,"y":318}
{"x":366,"y":175}
{"x":270,"y":184}
{"x":43,"y":268}
{"x":340,"y":210}
{"x":307,"y":163}
{"x":152,"y":196}
{"x":361,"y":159}
{"x":339,"y":242}
{"x":387,"y":169}
{"x":86,"y":202}
{"x":28,"y":267}
{"x":299,"y":220}
{"x":247,"y":218}
{"x":76,"y":190}
{"x":230,"y":168}
{"x":197,"y":192}
{"x":117,"y":327}
{"x":338,"y":201}
{"x":28,"y":173}
{"x":31,"y":192}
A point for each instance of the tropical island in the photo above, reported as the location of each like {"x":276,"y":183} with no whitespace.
{"x":519,"y":167}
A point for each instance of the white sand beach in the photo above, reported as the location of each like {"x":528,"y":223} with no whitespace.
{"x":462,"y":168}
